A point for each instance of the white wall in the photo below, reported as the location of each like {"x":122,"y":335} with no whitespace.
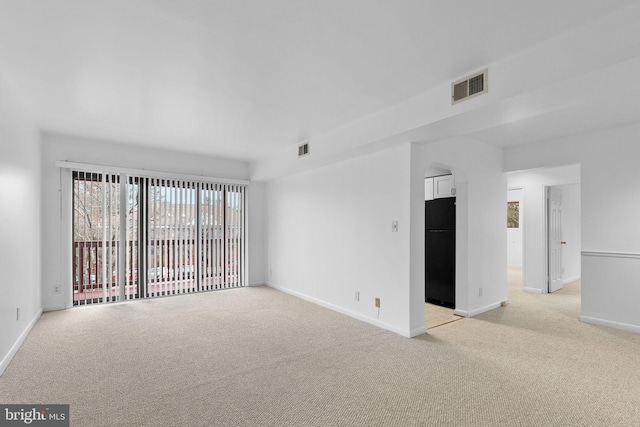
{"x":19,"y":224}
{"x":514,"y":235}
{"x":257,"y":234}
{"x":533,"y":183}
{"x":570,"y":229}
{"x":55,"y":237}
{"x":329,"y":232}
{"x":610,"y":180}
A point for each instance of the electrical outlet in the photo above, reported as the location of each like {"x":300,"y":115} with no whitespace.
{"x":357,"y":295}
{"x":377,"y":302}
{"x":56,"y":289}
{"x":480,"y":292}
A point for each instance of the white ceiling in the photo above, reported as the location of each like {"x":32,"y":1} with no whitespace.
{"x":240,"y":78}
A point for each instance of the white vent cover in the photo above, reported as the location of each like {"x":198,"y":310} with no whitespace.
{"x":303,"y":149}
{"x":470,"y":86}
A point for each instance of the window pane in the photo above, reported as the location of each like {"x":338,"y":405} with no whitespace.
{"x":513,"y":215}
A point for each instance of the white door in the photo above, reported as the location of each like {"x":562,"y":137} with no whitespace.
{"x":554,"y":236}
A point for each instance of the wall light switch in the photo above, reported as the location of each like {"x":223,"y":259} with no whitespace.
{"x":394,"y":226}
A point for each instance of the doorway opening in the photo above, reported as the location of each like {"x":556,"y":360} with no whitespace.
{"x":515,"y":236}
{"x":440,"y":247}
{"x":544,"y":251}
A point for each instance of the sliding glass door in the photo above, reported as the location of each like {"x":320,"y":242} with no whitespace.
{"x":142,"y":237}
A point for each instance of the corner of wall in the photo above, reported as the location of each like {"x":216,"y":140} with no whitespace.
{"x":20,"y":226}
{"x":4,"y":363}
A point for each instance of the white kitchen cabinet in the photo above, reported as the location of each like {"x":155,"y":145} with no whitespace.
{"x":428,"y":189}
{"x":443,"y":186}
{"x":439,"y":187}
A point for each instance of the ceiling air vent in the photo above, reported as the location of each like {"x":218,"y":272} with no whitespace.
{"x":303,"y":149}
{"x":473,"y":85}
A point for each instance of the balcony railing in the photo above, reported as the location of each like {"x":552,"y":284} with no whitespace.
{"x":172,"y":268}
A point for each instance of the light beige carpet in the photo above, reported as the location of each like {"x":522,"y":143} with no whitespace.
{"x":258,"y":357}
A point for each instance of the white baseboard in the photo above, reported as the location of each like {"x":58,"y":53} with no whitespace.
{"x":16,"y":346}
{"x":417,"y":332}
{"x":610,"y":324}
{"x":570,"y":279}
{"x":256,"y":284}
{"x":477,"y":311}
{"x":533,"y":290}
{"x":341,"y":310}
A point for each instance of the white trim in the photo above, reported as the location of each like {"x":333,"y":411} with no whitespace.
{"x":66,"y":238}
{"x":147,"y":173}
{"x":570,"y":279}
{"x":523,"y":230}
{"x":254,"y":284}
{"x":417,"y":332}
{"x":16,"y":346}
{"x":358,"y":316}
{"x":477,"y":311}
{"x":545,"y":236}
{"x":610,"y":323}
{"x":246,"y":229}
{"x":534,"y":290}
{"x":611,"y":254}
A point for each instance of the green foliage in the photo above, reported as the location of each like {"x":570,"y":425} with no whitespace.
{"x":513,"y":215}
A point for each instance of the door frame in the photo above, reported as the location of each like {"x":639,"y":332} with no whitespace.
{"x":523,"y":222}
{"x":545,"y":218}
{"x":459,"y":183}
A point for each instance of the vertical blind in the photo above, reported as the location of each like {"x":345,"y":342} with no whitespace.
{"x":142,"y":237}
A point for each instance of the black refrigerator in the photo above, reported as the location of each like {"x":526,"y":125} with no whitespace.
{"x":440,"y":253}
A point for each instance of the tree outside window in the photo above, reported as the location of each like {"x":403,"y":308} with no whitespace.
{"x":513,"y":214}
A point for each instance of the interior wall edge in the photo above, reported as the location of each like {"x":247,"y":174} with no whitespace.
{"x":16,"y":346}
{"x":477,"y":311}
